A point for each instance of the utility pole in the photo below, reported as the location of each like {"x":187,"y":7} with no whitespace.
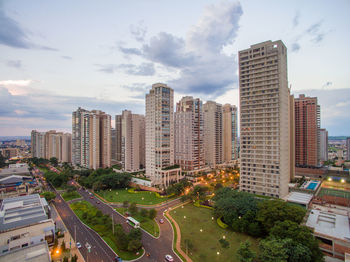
{"x":75,"y":233}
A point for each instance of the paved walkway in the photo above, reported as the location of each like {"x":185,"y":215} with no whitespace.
{"x":178,"y":239}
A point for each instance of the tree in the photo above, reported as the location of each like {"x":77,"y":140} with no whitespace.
{"x":48,"y":195}
{"x":2,"y":161}
{"x":244,"y":253}
{"x":273,"y":250}
{"x":144,"y":212}
{"x":224,"y":243}
{"x":132,"y":208}
{"x":74,"y":258}
{"x":152,"y":213}
{"x":65,"y":259}
{"x":270,"y":212}
{"x":54,"y":161}
{"x":135,"y":233}
{"x":134,"y":245}
{"x":125,"y":203}
{"x":218,"y":186}
{"x":121,"y":238}
{"x":300,"y":235}
{"x":63,"y":246}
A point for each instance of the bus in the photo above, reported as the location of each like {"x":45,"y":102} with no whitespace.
{"x":133,"y":222}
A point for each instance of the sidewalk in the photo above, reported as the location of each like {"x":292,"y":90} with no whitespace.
{"x":67,"y":238}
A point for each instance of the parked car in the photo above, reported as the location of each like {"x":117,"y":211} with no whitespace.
{"x":169,"y":258}
{"x":78,"y":245}
{"x":161,"y":220}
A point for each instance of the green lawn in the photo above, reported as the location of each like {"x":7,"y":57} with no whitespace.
{"x":141,"y":197}
{"x":98,"y":224}
{"x":334,"y":192}
{"x":192,"y":220}
{"x":147,"y":224}
{"x":70,"y":195}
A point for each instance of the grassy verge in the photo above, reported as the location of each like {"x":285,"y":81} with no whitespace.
{"x":92,"y":217}
{"x":175,"y":239}
{"x":138,"y":197}
{"x":147,"y":224}
{"x":202,"y":234}
{"x":70,"y":195}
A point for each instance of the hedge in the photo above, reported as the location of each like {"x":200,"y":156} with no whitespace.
{"x":221,"y":224}
{"x":199,"y":205}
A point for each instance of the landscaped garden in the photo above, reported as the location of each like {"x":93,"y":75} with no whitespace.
{"x":70,"y":195}
{"x":126,"y":246}
{"x":200,"y":235}
{"x":138,"y":197}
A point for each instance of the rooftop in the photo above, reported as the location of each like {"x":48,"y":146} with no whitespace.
{"x":330,"y":224}
{"x":20,"y":211}
{"x":33,"y":253}
{"x":299,"y":198}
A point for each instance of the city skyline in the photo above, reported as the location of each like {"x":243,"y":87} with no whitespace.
{"x":118,"y":56}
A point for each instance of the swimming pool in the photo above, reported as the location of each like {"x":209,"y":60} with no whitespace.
{"x":312,"y":185}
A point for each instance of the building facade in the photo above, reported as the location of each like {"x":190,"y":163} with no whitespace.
{"x":307,"y":131}
{"x":160,"y":135}
{"x":229,"y":127}
{"x":348,"y":148}
{"x":51,"y":144}
{"x":189,"y":134}
{"x":91,"y":138}
{"x":264,"y":119}
{"x":323,"y":144}
{"x":132,"y":140}
{"x":213,"y":134}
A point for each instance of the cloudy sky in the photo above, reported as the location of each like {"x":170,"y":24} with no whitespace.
{"x":58,"y":55}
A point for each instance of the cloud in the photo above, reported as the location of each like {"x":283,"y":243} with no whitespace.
{"x":144,"y":69}
{"x":14,"y":63}
{"x":67,"y":57}
{"x":13,"y":35}
{"x":296,"y":19}
{"x":203,"y":67}
{"x":295,"y":47}
{"x":42,"y":110}
{"x":138,"y":31}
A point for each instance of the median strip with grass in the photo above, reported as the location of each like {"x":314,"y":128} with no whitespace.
{"x":70,"y":195}
{"x":102,"y":224}
{"x":200,"y":235}
{"x":138,"y":197}
{"x":147,"y":224}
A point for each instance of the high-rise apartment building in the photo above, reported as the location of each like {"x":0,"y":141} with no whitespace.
{"x":189,"y":134}
{"x":113,"y":146}
{"x":51,"y":144}
{"x":132,"y":141}
{"x":91,"y":138}
{"x":264,"y":119}
{"x":38,"y":144}
{"x":229,"y":127}
{"x":323,"y":144}
{"x":160,"y":136}
{"x":213,"y":133}
{"x":307,"y":131}
{"x":348,"y":148}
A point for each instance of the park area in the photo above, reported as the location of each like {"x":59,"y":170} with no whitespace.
{"x":200,"y":235}
{"x":67,"y":196}
{"x":132,"y":196}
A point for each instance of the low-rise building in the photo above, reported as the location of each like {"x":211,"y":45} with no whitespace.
{"x":332,"y":228}
{"x":21,"y":211}
{"x":34,"y":253}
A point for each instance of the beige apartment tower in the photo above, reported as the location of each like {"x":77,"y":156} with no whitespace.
{"x":229,"y":128}
{"x":189,"y":134}
{"x":91,"y":138}
{"x":132,"y":140}
{"x":265,"y":119}
{"x":213,"y":134}
{"x":160,"y":136}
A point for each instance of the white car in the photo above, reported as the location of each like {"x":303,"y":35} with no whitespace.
{"x":169,"y":258}
{"x":78,"y":245}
